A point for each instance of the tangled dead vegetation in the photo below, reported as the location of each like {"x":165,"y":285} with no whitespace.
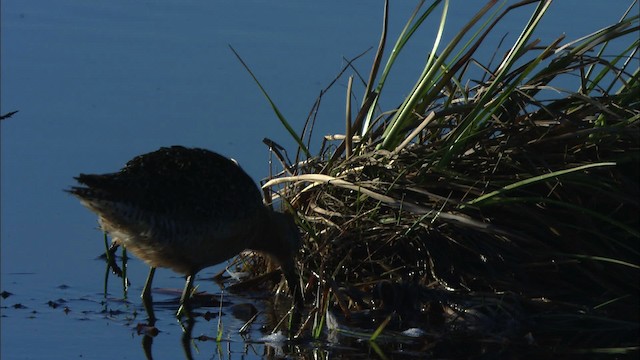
{"x":486,"y":209}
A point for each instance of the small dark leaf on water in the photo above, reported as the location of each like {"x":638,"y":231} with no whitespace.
{"x":7,"y":115}
{"x":204,"y":338}
{"x":115,"y":312}
{"x":209,"y":315}
{"x":5,"y":294}
{"x":144,"y":329}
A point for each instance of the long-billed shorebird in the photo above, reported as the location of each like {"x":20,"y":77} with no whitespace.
{"x":188,"y":209}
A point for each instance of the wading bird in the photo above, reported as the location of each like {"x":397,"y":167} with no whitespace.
{"x":188,"y":209}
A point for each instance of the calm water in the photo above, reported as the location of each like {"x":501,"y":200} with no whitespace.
{"x":99,"y":82}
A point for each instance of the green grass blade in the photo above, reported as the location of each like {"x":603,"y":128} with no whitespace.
{"x":535,"y":179}
{"x":281,"y":117}
{"x":603,"y":259}
{"x":380,"y":328}
{"x":431,"y":76}
{"x":403,"y":38}
{"x":479,"y":115}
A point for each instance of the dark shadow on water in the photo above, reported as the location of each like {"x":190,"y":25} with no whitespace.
{"x":204,"y":307}
{"x":150,"y":332}
{"x":264,"y":317}
{"x":186,"y":338}
{"x":147,"y":343}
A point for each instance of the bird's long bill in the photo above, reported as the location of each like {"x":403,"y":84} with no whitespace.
{"x":291,"y":276}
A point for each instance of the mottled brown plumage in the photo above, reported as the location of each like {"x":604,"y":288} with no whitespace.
{"x":187,"y":209}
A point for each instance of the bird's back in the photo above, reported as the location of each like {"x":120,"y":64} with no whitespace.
{"x":194,"y":183}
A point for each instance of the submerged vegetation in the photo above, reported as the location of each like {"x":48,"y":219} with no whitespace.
{"x":492,"y":204}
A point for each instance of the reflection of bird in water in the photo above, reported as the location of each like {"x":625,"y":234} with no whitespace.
{"x":187,"y":209}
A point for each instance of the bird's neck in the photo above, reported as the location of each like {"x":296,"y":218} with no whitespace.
{"x":268,"y":238}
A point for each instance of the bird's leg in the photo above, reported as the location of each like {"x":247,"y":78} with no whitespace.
{"x":186,"y":338}
{"x":184,"y":299}
{"x":147,"y":301}
{"x":111,"y":258}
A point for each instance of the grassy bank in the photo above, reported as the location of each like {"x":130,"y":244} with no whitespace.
{"x":499,"y":207}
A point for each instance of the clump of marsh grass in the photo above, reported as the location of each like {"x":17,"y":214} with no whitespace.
{"x":482,"y":205}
